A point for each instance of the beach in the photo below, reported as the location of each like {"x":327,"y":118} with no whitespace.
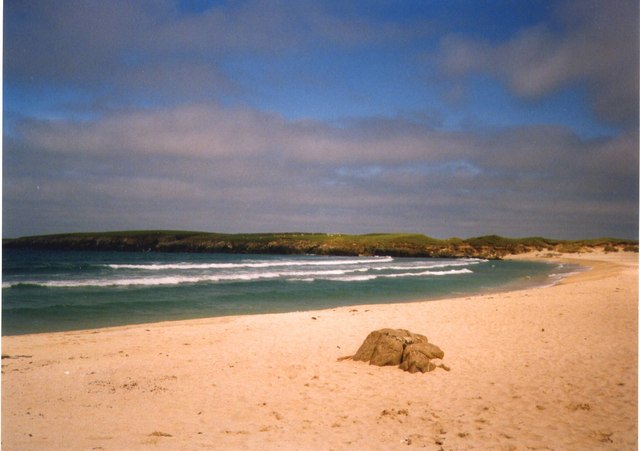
{"x":544,"y":368}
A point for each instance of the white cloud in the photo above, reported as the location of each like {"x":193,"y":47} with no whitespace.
{"x":191,"y":166}
{"x":209,"y":167}
{"x":598,"y":45}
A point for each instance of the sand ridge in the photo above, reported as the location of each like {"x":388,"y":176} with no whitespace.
{"x":543,"y":368}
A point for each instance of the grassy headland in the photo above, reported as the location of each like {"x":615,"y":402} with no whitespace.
{"x":392,"y":244}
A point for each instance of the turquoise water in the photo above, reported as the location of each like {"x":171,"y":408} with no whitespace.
{"x":46,"y":291}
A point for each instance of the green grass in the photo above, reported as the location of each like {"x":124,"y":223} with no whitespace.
{"x":398,"y":244}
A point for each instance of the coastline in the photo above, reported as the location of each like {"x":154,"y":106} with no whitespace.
{"x":548,"y":367}
{"x":116,"y":289}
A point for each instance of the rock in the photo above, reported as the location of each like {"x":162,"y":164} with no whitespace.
{"x":418,"y":356}
{"x":429,"y":350}
{"x":385,"y":346}
{"x":412,"y":352}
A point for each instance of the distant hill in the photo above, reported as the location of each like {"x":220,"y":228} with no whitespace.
{"x":392,"y":244}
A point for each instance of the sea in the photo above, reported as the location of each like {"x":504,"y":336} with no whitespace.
{"x":50,"y":291}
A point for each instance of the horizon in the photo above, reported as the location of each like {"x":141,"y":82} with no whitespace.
{"x":446,"y":119}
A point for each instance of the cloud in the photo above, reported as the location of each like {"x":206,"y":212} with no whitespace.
{"x":154,"y":126}
{"x":153,"y":52}
{"x":72,"y":41}
{"x":597,"y":44}
{"x":205,"y":166}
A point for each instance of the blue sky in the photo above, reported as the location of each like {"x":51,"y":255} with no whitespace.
{"x":456,"y":118}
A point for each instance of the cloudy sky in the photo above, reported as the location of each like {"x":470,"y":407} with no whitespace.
{"x":448,"y":118}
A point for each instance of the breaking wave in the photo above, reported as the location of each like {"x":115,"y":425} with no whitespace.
{"x":341,"y":270}
{"x":270,"y":264}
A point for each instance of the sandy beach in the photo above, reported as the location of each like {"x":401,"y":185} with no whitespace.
{"x":546,"y":368}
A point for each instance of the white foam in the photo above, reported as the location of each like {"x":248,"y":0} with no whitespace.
{"x":406,"y":274}
{"x":177,"y":280}
{"x":325,"y":269}
{"x":334,"y":274}
{"x":421,"y":265}
{"x":279,"y":263}
{"x":354,"y":278}
{"x":430,"y":273}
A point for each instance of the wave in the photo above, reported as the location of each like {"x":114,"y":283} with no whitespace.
{"x":366,"y":277}
{"x":178,"y":280}
{"x":410,"y":266}
{"x":407,"y":274}
{"x":430,"y":273}
{"x":332,"y":275}
{"x":279,"y":263}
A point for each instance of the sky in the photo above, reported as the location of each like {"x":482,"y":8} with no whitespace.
{"x":448,"y":118}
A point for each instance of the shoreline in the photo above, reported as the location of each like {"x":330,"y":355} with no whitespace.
{"x":520,"y":282}
{"x":542,"y":367}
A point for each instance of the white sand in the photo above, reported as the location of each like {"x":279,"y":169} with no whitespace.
{"x":545,"y":368}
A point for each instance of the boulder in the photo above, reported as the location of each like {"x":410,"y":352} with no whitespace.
{"x":386,"y":346}
{"x":412,"y":352}
{"x":419,"y":356}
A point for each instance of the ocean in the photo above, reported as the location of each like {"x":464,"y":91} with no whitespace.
{"x":47,"y":291}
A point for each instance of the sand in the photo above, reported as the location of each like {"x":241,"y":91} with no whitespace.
{"x":545,"y":368}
